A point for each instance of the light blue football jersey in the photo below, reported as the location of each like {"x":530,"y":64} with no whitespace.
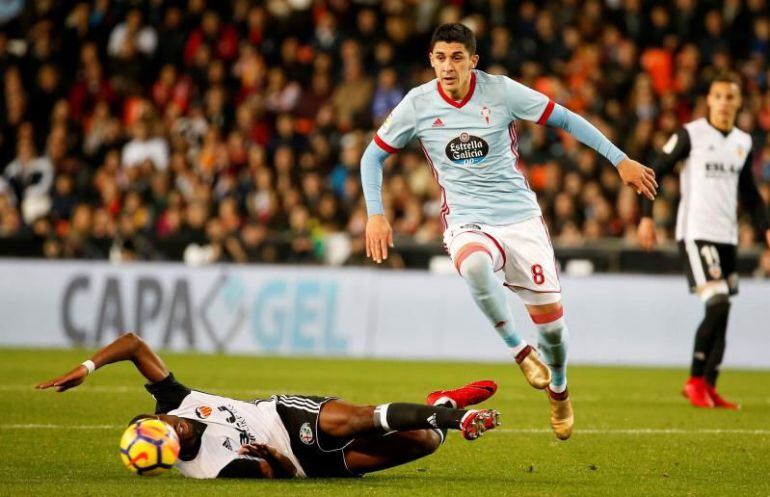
{"x":471,"y":146}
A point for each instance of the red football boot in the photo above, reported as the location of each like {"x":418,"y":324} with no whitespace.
{"x":475,"y":423}
{"x":695,"y":390}
{"x":471,"y":394}
{"x":719,"y":401}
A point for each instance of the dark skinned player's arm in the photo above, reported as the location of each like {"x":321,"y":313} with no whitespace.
{"x":259,"y":461}
{"x":127,"y":347}
{"x":247,"y":468}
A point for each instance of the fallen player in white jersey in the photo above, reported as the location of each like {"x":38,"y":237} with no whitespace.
{"x":289,"y":436}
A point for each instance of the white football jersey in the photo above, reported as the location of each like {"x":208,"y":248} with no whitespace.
{"x":709,"y":182}
{"x":229,"y":424}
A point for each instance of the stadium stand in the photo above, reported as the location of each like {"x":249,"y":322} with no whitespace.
{"x":232,"y":131}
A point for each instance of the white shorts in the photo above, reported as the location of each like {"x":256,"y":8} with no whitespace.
{"x":523,"y":251}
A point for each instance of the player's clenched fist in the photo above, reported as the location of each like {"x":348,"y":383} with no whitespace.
{"x":642,"y":178}
{"x":379,"y":236}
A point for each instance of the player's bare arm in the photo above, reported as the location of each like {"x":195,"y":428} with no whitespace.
{"x":248,"y":468}
{"x":127,"y":347}
{"x":259,"y":461}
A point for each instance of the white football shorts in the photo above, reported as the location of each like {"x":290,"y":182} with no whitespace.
{"x":523,"y":251}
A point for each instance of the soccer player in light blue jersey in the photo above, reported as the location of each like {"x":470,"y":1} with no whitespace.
{"x":464,"y":121}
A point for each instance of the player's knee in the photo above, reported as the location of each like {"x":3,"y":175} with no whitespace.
{"x":432,"y":441}
{"x":476,"y":266}
{"x":425,"y":442}
{"x":718,"y":304}
{"x":714,"y":292}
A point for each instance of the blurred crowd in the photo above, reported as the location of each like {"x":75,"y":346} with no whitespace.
{"x":232,"y":131}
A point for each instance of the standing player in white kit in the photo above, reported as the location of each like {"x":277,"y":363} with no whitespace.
{"x":716,"y":173}
{"x":464,"y":121}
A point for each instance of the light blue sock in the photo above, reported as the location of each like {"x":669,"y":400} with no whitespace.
{"x":552,"y":342}
{"x":490,"y":296}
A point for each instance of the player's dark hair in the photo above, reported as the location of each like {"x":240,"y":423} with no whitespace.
{"x":140,"y":417}
{"x":726,"y":77}
{"x":454,"y":32}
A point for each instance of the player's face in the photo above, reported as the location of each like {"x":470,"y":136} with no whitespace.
{"x":184,"y":428}
{"x":724,"y":100}
{"x":453,"y":63}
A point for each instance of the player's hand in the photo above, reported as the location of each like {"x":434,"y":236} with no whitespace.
{"x":379,"y":236}
{"x":278,"y":462}
{"x":646,"y":233}
{"x":66,"y":381}
{"x":640,"y":177}
{"x":255,"y":449}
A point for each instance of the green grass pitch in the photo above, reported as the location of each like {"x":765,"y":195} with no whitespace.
{"x":635,"y":435}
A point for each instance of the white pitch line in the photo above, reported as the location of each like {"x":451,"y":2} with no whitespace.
{"x":247,"y":393}
{"x":642,"y":431}
{"x":517,"y":431}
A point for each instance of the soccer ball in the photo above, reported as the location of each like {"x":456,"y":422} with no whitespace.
{"x":149,"y":447}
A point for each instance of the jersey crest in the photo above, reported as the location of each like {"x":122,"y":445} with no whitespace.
{"x":485,"y":113}
{"x":203,"y":412}
{"x":306,"y":434}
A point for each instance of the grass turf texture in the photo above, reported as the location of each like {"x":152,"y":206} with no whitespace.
{"x":635,"y":435}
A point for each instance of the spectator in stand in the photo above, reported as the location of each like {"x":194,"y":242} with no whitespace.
{"x":144,"y":149}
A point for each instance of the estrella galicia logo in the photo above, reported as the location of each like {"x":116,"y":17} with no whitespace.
{"x":306,"y":434}
{"x":467,"y":149}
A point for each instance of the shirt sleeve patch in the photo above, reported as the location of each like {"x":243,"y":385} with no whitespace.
{"x":670,"y":144}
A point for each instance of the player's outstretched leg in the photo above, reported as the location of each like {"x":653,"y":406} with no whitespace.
{"x":374,"y":453}
{"x":476,"y":266}
{"x":552,"y":342}
{"x":341,"y":419}
{"x":708,"y":352}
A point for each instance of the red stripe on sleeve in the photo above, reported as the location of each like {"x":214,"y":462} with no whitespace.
{"x":379,"y":141}
{"x":546,"y":113}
